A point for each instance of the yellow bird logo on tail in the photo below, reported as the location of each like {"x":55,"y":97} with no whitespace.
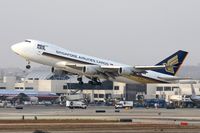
{"x":171,"y":63}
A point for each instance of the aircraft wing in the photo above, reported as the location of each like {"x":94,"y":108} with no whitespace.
{"x":112,"y":68}
{"x":111,"y":71}
{"x":134,"y":69}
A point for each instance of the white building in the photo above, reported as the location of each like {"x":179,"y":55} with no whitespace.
{"x":54,"y":86}
{"x":7,"y":82}
{"x":171,"y":91}
{"x":45,"y":81}
{"x":99,"y":93}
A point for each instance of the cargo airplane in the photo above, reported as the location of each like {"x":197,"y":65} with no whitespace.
{"x":96,"y":68}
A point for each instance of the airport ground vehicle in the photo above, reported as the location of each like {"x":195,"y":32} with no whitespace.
{"x":124,"y":104}
{"x":151,"y":103}
{"x":188,"y":104}
{"x":170,"y":105}
{"x":5,"y":104}
{"x":19,"y":106}
{"x":76,"y":104}
{"x":138,"y":105}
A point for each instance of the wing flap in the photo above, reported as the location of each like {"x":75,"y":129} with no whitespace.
{"x":143,"y":68}
{"x":112,"y":70}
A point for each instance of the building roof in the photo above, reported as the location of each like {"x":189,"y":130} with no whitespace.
{"x":39,"y":75}
{"x":45,"y":75}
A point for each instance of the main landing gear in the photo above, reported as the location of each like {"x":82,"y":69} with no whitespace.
{"x":95,"y":81}
{"x":80,"y":80}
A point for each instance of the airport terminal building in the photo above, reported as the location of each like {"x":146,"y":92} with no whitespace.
{"x":173,"y":92}
{"x":45,"y":81}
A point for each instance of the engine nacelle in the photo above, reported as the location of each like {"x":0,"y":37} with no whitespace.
{"x":126,"y":71}
{"x":91,"y":70}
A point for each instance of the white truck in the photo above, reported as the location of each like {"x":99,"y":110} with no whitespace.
{"x":76,"y":104}
{"x":124,"y":104}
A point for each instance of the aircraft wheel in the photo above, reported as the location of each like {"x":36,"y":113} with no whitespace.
{"x":81,"y":83}
{"x":28,"y":67}
{"x":91,"y":82}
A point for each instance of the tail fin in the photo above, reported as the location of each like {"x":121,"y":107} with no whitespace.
{"x":173,"y":63}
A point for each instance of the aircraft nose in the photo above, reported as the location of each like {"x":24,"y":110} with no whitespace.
{"x":16,"y":48}
{"x":13,"y":47}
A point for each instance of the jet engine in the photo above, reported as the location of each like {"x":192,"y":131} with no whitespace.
{"x":57,"y":71}
{"x":91,"y":70}
{"x":126,"y":71}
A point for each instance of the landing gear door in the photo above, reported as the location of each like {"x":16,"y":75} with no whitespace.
{"x":39,"y":52}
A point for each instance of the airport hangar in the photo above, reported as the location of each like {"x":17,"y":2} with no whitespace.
{"x":45,"y":81}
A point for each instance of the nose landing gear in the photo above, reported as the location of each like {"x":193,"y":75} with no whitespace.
{"x":28,"y":66}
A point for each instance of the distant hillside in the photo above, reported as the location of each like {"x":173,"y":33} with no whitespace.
{"x":12,"y":72}
{"x":190,"y":71}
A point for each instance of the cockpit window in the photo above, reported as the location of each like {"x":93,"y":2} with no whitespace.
{"x":27,"y":41}
{"x":40,"y":46}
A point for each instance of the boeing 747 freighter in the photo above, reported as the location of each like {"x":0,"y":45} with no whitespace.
{"x":95,"y":68}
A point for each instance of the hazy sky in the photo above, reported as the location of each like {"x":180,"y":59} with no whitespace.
{"x":141,"y":32}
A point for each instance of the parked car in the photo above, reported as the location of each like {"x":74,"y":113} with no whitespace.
{"x":170,"y":106}
{"x":19,"y":106}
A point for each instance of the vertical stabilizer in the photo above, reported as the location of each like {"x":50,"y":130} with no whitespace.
{"x":173,"y":63}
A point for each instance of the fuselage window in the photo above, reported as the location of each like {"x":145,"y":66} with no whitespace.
{"x":27,"y":41}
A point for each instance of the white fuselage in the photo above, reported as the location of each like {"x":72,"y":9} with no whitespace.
{"x":52,"y":55}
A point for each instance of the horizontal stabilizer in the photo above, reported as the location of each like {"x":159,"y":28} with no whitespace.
{"x":173,"y":78}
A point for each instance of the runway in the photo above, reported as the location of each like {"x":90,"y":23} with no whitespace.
{"x":110,"y":113}
{"x":60,"y":119}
